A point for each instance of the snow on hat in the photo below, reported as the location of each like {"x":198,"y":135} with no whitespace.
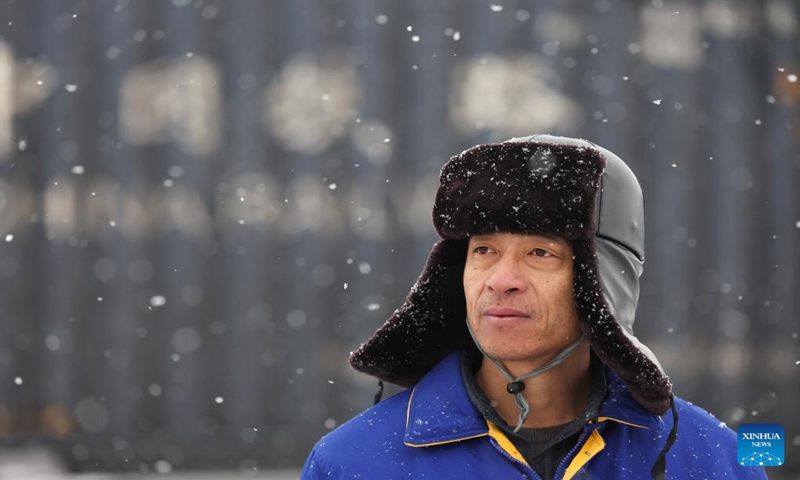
{"x":541,"y":184}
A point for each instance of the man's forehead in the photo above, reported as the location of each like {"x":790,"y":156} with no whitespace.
{"x":550,"y":238}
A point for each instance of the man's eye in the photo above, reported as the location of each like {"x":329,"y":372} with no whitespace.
{"x":540,"y":252}
{"x":481,"y":250}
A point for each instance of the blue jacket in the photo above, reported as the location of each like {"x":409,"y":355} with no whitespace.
{"x":434,"y":431}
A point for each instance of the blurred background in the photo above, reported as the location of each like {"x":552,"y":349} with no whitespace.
{"x":206,"y":205}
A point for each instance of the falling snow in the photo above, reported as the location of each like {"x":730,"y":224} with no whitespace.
{"x":157,"y":301}
{"x":247,"y":194}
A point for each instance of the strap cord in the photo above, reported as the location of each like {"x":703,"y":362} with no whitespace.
{"x":659,"y":470}
{"x":516,"y":385}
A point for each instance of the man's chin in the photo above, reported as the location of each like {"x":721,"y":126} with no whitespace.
{"x":512,"y":355}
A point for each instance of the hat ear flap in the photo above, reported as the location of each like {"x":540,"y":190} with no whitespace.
{"x":615,"y":347}
{"x":429,"y":325}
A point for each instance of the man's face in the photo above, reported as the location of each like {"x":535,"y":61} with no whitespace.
{"x":520,"y":301}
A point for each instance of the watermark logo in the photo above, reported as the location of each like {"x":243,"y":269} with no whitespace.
{"x":760,"y":444}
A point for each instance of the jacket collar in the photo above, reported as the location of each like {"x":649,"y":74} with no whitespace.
{"x":620,"y":406}
{"x":440,"y":411}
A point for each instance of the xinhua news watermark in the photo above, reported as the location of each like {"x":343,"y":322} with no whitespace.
{"x":760,"y":444}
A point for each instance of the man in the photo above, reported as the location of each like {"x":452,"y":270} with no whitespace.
{"x":517,"y":338}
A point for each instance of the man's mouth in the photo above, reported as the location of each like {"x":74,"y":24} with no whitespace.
{"x":505,"y":312}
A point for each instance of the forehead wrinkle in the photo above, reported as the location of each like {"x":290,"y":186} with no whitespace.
{"x":547,"y":236}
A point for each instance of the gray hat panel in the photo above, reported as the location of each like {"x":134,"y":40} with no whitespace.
{"x":621,"y":205}
{"x":619,"y":276}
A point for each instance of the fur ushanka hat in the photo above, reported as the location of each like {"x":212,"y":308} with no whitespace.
{"x":535,"y":185}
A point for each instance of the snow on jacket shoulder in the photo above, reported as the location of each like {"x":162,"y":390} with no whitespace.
{"x":433,"y":431}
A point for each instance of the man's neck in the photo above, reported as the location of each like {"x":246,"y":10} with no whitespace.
{"x":556,"y":397}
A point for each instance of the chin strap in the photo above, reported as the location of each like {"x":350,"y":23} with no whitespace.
{"x":379,"y":395}
{"x":516,"y":385}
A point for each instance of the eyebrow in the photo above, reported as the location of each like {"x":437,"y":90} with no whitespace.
{"x":548,"y":236}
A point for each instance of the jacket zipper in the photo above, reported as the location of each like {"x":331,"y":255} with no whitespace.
{"x":532,"y":473}
{"x":562,"y":466}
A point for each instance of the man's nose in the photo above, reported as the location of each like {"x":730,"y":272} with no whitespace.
{"x":507,"y":276}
